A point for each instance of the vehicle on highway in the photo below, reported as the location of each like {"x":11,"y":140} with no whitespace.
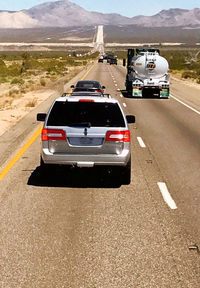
{"x":87,"y":132}
{"x":88,"y":93}
{"x":147,"y":73}
{"x":101,"y":59}
{"x":111,"y":59}
{"x":89,"y":86}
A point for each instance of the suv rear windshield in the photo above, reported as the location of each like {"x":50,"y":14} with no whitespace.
{"x":89,"y":84}
{"x":86,"y":113}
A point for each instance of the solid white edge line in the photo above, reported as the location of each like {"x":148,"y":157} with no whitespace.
{"x":166,"y":195}
{"x":141,"y":142}
{"x":124,"y":104}
{"x":186,"y":105}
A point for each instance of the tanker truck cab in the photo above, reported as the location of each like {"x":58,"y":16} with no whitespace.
{"x":147,"y":74}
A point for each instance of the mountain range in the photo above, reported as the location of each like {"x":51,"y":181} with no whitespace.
{"x":64,"y":13}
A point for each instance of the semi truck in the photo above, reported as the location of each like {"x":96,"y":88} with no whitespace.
{"x":147,"y":73}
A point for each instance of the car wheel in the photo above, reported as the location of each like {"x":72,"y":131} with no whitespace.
{"x":44,"y":169}
{"x":126,"y":174}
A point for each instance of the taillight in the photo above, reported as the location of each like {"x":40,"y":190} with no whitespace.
{"x":98,"y":91}
{"x":53,"y":134}
{"x":121,"y":136}
{"x":75,"y":90}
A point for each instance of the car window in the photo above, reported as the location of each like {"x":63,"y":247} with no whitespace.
{"x":86,"y":85}
{"x":84,"y":113}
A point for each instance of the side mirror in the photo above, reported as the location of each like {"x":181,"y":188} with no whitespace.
{"x":72,"y":86}
{"x":41,"y":117}
{"x":124,"y":62}
{"x":130,"y":119}
{"x":103,"y":87}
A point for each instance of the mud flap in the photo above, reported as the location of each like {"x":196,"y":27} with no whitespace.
{"x":164,"y":93}
{"x":137,"y":92}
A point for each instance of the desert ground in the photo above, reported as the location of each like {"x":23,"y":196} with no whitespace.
{"x":14,"y":105}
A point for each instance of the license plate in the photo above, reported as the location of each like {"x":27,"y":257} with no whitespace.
{"x":86,"y":140}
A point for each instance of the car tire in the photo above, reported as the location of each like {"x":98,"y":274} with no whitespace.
{"x":126,"y":173}
{"x":44,"y":169}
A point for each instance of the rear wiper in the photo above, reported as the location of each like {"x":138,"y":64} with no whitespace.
{"x":80,"y":124}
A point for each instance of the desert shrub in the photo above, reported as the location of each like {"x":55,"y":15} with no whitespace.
{"x":31,"y":81}
{"x":198,"y":71}
{"x":78,"y":63}
{"x":198,"y":80}
{"x":189,"y":74}
{"x":23,"y":91}
{"x":29,"y":64}
{"x":3,"y":80}
{"x":32,"y":103}
{"x":13,"y":92}
{"x":2,"y":64}
{"x":25,"y":55}
{"x":42,"y":82}
{"x":12,"y":71}
{"x":17,"y":81}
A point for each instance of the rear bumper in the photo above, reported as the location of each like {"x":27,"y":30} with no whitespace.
{"x":86,"y":160}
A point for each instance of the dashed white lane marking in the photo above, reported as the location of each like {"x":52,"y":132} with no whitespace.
{"x":124,"y":104}
{"x":186,"y":105}
{"x":115,"y":84}
{"x":166,"y":195}
{"x":141,"y":142}
{"x":121,"y":95}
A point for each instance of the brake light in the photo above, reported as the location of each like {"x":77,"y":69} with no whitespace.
{"x":75,"y":90}
{"x":53,"y":134}
{"x":86,"y":100}
{"x":121,"y":136}
{"x":98,"y":91}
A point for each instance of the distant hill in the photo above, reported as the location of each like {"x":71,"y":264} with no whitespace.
{"x":170,"y":18}
{"x":64,"y":13}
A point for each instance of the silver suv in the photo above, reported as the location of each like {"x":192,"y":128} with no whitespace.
{"x":87,"y":132}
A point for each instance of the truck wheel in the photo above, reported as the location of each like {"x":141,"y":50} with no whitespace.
{"x":130,"y":91}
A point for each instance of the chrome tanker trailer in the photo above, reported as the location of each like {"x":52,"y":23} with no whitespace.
{"x":147,"y":73}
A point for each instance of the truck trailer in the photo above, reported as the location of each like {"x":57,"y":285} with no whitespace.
{"x":147,"y":73}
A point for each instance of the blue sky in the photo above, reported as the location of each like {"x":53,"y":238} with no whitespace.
{"x":128,"y":8}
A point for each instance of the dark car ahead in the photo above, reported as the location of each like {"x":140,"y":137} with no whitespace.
{"x":112,"y":59}
{"x":89,"y":86}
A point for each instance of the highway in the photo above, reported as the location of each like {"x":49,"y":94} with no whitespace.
{"x":99,"y":43}
{"x":83,"y":230}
